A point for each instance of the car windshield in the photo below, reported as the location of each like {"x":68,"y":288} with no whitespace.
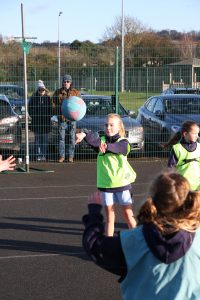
{"x":182,"y":106}
{"x":191,"y":91}
{"x":12,"y":92}
{"x":5,"y":109}
{"x":102,"y":107}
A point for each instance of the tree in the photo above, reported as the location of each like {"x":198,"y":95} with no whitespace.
{"x":132,"y":31}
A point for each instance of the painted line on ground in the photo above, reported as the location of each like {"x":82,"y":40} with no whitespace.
{"x":55,"y":198}
{"x":41,"y":255}
{"x":59,"y":186}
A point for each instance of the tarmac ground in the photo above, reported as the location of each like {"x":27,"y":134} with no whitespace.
{"x":41,"y":254}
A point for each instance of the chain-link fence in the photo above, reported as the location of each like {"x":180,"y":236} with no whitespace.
{"x":147,"y":72}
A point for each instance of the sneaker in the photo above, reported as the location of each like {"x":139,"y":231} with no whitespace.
{"x":61,"y":159}
{"x":71,"y":159}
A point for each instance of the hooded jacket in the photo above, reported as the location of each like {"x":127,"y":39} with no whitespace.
{"x":151,"y":266}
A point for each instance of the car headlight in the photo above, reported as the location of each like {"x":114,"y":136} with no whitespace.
{"x":9,"y":121}
{"x":134,"y":131}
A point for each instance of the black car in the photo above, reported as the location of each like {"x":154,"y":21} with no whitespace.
{"x":181,"y":90}
{"x":98,"y":107}
{"x":162,"y":116}
{"x":10,"y":126}
{"x":16,"y":96}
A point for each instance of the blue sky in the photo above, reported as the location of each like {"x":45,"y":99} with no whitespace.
{"x":88,"y":19}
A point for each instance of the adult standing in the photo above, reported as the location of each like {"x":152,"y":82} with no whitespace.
{"x":39,"y":109}
{"x":66,"y":127}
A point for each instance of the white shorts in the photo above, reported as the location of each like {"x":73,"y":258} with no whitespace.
{"x":122,"y":198}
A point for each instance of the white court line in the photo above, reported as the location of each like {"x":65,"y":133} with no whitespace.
{"x":59,"y":186}
{"x":40,"y":255}
{"x":46,"y":186}
{"x":55,"y":198}
{"x":43,"y":198}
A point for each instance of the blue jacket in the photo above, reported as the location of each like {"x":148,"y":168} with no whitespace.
{"x":151,"y":279}
{"x":151,"y":266}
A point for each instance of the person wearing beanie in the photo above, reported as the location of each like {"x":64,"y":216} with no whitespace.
{"x":39,"y":109}
{"x":66,"y":127}
{"x":40,"y":85}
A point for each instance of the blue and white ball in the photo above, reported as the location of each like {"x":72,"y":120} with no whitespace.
{"x":73,"y":108}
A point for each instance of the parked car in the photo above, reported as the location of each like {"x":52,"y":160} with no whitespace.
{"x":10,"y":126}
{"x":162,"y":116}
{"x":98,"y":107}
{"x":16,"y":96}
{"x":181,"y":90}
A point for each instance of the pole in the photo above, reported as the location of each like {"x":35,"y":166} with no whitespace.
{"x":60,"y":13}
{"x":147,"y":95}
{"x":25,"y":90}
{"x":116,"y":78}
{"x":122,"y":50}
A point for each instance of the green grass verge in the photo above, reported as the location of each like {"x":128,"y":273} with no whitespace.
{"x":130,"y":100}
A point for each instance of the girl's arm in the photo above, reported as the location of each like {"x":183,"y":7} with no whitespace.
{"x":106,"y":252}
{"x":80,"y":136}
{"x":119,"y":147}
{"x":89,"y":137}
{"x":172,"y":160}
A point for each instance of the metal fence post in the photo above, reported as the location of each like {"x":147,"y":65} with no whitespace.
{"x":116,"y":78}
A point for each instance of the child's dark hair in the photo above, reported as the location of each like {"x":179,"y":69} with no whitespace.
{"x":171,"y":205}
{"x":186,"y":127}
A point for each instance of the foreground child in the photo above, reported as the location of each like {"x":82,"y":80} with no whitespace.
{"x":160,"y":258}
{"x":114,"y":173}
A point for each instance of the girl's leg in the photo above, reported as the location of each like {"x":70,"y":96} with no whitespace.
{"x":129,"y":216}
{"x":110,"y":214}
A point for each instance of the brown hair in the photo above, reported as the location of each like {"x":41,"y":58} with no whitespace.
{"x":121,"y":125}
{"x":186,"y":127}
{"x":171,"y":205}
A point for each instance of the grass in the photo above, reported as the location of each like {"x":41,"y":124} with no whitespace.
{"x":130,"y":100}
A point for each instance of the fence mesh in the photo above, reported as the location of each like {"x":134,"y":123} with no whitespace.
{"x":147,"y":72}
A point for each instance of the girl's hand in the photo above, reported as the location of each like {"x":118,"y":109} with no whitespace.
{"x":79,"y":137}
{"x":7,"y":164}
{"x":95,"y":198}
{"x":102,"y":148}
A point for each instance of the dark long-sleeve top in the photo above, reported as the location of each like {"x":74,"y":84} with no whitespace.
{"x":39,"y":109}
{"x":189,"y":146}
{"x":111,"y":141}
{"x":113,"y":147}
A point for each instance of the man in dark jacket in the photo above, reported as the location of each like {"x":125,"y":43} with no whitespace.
{"x":65,"y":125}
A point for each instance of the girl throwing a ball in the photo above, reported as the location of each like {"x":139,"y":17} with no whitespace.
{"x":114,"y":173}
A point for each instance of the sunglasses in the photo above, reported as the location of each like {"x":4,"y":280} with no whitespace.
{"x":41,"y":90}
{"x":67,"y":81}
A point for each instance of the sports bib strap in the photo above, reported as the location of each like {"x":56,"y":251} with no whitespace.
{"x":186,"y":161}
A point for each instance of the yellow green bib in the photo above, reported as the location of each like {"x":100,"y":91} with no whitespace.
{"x":188,"y":164}
{"x":114,"y":170}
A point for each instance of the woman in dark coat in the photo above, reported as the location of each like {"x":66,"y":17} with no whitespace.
{"x":39,"y":109}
